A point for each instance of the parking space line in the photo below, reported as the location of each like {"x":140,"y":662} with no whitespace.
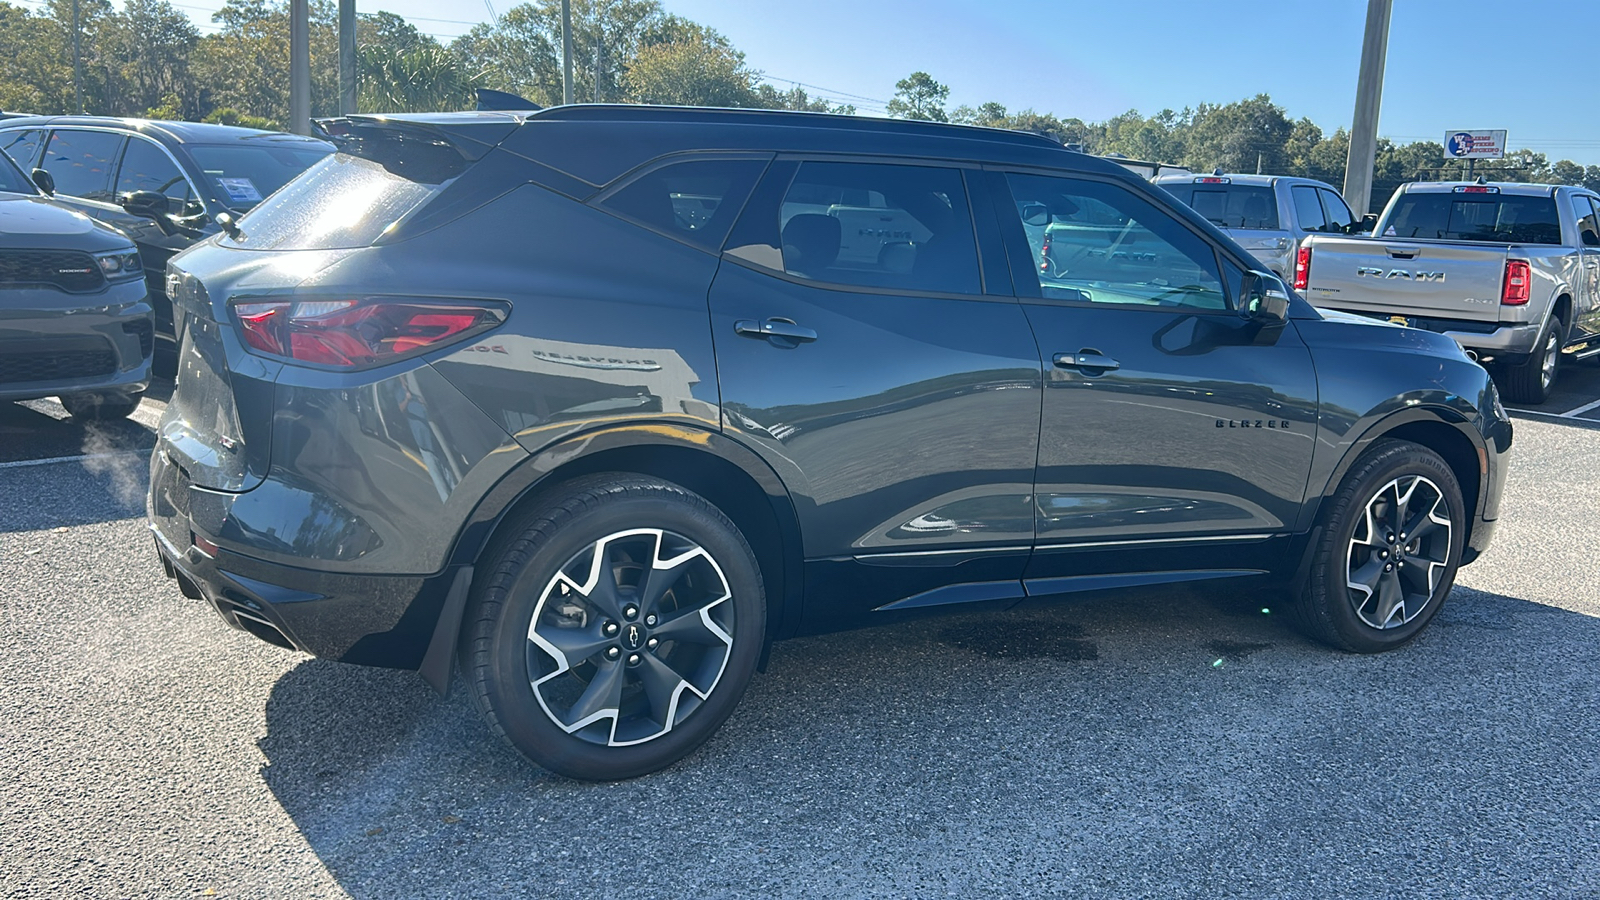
{"x":1582,"y":409}
{"x":83,"y":457}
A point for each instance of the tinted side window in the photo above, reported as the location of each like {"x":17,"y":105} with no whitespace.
{"x":1339,"y":217}
{"x":1583,"y":210}
{"x":1307,"y":208}
{"x":145,"y":167}
{"x":1101,"y":243}
{"x":695,"y":200}
{"x":22,"y":147}
{"x":883,"y":226}
{"x":80,"y":162}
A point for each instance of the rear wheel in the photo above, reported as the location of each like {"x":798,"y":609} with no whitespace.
{"x":617,"y":630}
{"x":98,"y":406}
{"x":1531,"y":381}
{"x":1388,"y":555}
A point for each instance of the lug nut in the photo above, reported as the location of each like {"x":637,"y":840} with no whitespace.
{"x":1402,"y":535}
{"x":1389,"y":567}
{"x":630,"y":611}
{"x":651,"y":644}
{"x":1383,"y":554}
{"x":610,"y":629}
{"x":650,"y":619}
{"x":633,"y":659}
{"x":613,"y":653}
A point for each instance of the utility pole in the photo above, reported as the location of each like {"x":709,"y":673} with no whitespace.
{"x":77,"y":58}
{"x":300,"y":66}
{"x":347,"y":57}
{"x":1369,"y":97}
{"x":566,"y":51}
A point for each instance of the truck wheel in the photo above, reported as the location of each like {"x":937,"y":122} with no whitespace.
{"x":616,"y":630}
{"x":1388,"y":554}
{"x":97,"y":407}
{"x":1531,"y":382}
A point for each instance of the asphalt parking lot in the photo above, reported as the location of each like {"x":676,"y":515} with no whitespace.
{"x":1174,"y":744}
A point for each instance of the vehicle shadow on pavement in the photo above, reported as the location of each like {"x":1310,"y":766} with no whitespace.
{"x":1173,"y":744}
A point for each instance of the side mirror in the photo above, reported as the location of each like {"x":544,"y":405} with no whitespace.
{"x":1365,"y":226}
{"x":1264,"y":299}
{"x":1035,"y":214}
{"x":45,"y":181}
{"x":1590,"y":239}
{"x":147,"y":204}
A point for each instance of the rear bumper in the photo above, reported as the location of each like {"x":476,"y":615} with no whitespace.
{"x":53,"y":343}
{"x":1507,"y":340}
{"x":371,"y":620}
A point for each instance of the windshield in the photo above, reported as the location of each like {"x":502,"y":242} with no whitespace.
{"x":243,"y":174}
{"x":1474,"y":217}
{"x":11,"y":178}
{"x":1230,"y":205}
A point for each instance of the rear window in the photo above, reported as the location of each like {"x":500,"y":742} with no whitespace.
{"x":1230,"y":205}
{"x":243,"y":174}
{"x":1497,"y":218}
{"x":340,"y":202}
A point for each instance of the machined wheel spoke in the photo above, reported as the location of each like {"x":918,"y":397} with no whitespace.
{"x":1391,"y":598}
{"x":690,"y":627}
{"x":604,"y":694}
{"x":662,"y":686}
{"x":658,"y":581}
{"x":1416,"y":579}
{"x":603,"y":594}
{"x":1389,"y":584}
{"x":575,"y":644}
{"x":1367,"y":576}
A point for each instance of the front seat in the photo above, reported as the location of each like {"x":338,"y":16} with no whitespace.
{"x":810,"y":244}
{"x":1257,"y":210}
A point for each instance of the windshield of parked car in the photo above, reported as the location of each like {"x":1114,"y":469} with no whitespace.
{"x":12,"y":180}
{"x":1230,"y":205}
{"x":243,"y":174}
{"x":1474,"y":216}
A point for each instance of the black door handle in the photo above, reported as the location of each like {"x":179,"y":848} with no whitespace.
{"x":776,"y":327}
{"x":1086,"y":359}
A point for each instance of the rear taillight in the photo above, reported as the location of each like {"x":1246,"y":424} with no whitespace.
{"x":357,"y":334}
{"x":1515,"y":290}
{"x":1302,"y":268}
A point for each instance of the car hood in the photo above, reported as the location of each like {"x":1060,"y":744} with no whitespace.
{"x":35,"y":223}
{"x":1340,"y":330}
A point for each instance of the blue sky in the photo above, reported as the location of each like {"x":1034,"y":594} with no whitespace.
{"x":1532,"y":68}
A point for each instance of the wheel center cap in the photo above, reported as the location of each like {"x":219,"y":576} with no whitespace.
{"x":632,"y":636}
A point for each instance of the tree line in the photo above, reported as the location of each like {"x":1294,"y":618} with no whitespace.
{"x":148,"y":59}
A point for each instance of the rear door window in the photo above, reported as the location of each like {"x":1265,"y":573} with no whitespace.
{"x":1307,"y":208}
{"x":81,"y":161}
{"x":1583,"y":210}
{"x":146,"y":167}
{"x":694,"y":200}
{"x":895,"y":227}
{"x":23,"y":147}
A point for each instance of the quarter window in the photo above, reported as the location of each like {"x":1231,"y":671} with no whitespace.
{"x":80,"y":162}
{"x":695,"y":200}
{"x":880,"y":226}
{"x":146,"y":168}
{"x":1101,"y":243}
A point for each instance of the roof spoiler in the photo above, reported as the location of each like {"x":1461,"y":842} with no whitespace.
{"x":469,"y":134}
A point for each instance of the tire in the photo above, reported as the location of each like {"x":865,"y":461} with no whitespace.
{"x":653,"y":669}
{"x":1349,"y":600}
{"x":98,"y":407}
{"x":1531,"y":381}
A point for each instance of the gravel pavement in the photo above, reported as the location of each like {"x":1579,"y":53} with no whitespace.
{"x":1172,"y":744}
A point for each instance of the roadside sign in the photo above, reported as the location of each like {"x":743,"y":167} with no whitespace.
{"x":1475,"y":144}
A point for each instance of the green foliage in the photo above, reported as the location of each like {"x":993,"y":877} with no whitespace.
{"x":698,"y":67}
{"x":918,"y":96}
{"x":521,"y":53}
{"x":227,"y":115}
{"x":413,"y":78}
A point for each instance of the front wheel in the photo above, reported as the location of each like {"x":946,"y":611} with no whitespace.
{"x":1388,"y":554}
{"x":617,"y":630}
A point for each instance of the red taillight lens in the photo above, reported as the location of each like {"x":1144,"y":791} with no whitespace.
{"x":1302,"y":268}
{"x":1518,"y":283}
{"x":356,"y":334}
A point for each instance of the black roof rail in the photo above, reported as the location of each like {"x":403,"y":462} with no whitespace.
{"x":629,"y":112}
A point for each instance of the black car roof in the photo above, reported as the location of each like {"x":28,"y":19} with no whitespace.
{"x":166,"y":131}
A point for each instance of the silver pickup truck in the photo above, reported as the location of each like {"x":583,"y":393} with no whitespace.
{"x":1269,"y":215}
{"x":1510,"y":271}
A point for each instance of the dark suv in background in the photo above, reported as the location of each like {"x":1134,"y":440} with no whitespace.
{"x":600,"y":401}
{"x":160,"y":183}
{"x":74,"y":319}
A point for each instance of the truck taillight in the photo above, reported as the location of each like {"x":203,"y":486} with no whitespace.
{"x":1302,"y":268}
{"x":359,"y":333}
{"x":1518,"y":283}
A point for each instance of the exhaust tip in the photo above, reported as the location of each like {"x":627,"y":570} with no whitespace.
{"x":1472,"y":355}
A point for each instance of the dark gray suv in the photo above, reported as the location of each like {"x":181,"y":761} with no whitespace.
{"x":600,"y":401}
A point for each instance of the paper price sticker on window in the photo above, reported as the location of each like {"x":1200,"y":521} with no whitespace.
{"x":240,"y":190}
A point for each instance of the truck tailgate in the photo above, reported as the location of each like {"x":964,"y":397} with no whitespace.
{"x":1407,"y":278}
